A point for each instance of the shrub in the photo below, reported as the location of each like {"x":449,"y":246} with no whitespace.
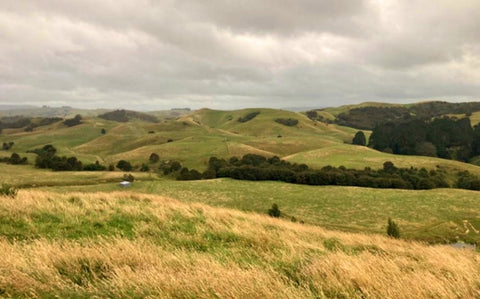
{"x":393,"y":229}
{"x":124,"y":165}
{"x":154,"y":158}
{"x":73,"y":121}
{"x":7,"y":190}
{"x":274,"y":211}
{"x":248,"y":117}
{"x":103,"y":131}
{"x":290,"y":122}
{"x":15,"y":159}
{"x":144,"y":168}
{"x":128,"y":177}
{"x":7,"y":145}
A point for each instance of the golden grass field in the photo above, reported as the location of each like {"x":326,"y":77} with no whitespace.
{"x":137,"y":245}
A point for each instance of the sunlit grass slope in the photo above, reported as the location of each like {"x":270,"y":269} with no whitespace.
{"x":360,"y":157}
{"x":136,"y":245}
{"x":434,"y":216}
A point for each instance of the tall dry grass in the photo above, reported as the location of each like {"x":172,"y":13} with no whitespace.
{"x":193,"y":250}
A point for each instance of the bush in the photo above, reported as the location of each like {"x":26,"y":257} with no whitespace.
{"x":248,"y":117}
{"x":274,"y":211}
{"x":290,"y":122}
{"x":73,"y":121}
{"x":392,"y":229}
{"x":103,"y":131}
{"x":7,"y":190}
{"x":124,"y":165}
{"x":144,"y":168}
{"x":154,"y":158}
{"x":128,"y":177}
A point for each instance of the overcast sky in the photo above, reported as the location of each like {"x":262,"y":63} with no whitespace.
{"x":148,"y":55}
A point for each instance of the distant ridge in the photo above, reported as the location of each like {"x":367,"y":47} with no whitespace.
{"x":128,"y":115}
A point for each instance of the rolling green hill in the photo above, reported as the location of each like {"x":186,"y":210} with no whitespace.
{"x":193,"y":138}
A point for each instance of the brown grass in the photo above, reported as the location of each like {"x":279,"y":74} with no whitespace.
{"x":268,"y":257}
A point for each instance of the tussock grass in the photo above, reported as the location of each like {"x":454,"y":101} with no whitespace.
{"x":160,"y":247}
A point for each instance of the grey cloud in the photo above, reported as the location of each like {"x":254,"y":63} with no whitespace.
{"x":232,"y":54}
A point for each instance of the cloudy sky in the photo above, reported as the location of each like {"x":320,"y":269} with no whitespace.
{"x":226,"y":54}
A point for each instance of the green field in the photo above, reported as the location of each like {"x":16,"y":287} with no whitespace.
{"x":431,"y":216}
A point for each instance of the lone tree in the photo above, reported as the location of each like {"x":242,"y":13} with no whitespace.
{"x":392,"y":229}
{"x":274,"y":211}
{"x":154,"y":158}
{"x":124,"y":165}
{"x":359,"y":139}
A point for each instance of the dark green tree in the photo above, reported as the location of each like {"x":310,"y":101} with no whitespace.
{"x":124,"y":165}
{"x":359,"y":139}
{"x":274,"y":211}
{"x":154,"y":158}
{"x":392,"y":229}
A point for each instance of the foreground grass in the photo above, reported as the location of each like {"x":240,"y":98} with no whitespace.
{"x":434,"y":216}
{"x":126,"y":244}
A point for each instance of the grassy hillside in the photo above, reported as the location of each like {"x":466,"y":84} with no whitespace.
{"x":432,"y":216}
{"x":193,"y":138}
{"x":137,"y":245}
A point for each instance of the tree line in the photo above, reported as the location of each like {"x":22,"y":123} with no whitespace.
{"x":445,"y":137}
{"x":259,"y":168}
{"x":366,"y":118}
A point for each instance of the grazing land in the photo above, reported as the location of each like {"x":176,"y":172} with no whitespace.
{"x":136,"y":245}
{"x":78,"y":233}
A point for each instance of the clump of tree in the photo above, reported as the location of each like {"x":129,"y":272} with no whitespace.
{"x":274,"y":211}
{"x":124,"y":165}
{"x":169,"y":166}
{"x":76,"y":120}
{"x":7,"y":145}
{"x":359,"y":139}
{"x":40,"y":122}
{"x":313,"y":115}
{"x":290,"y":122}
{"x":467,"y":180}
{"x":444,"y":137}
{"x":189,"y":174}
{"x":48,"y":159}
{"x":248,"y":117}
{"x":128,"y":115}
{"x":392,"y":229}
{"x":259,"y":168}
{"x":94,"y":167}
{"x":14,"y":159}
{"x":14,"y":122}
{"x":366,"y":118}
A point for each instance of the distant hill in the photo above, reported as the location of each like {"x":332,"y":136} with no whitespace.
{"x":366,"y":115}
{"x":128,"y":115}
{"x":45,"y":111}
